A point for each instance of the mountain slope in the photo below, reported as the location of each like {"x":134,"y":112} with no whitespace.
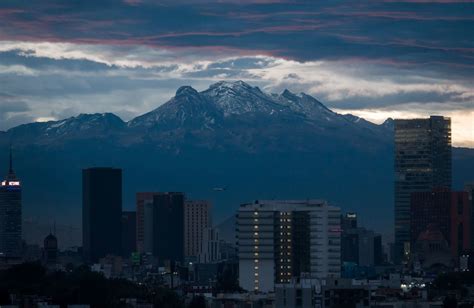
{"x":232,"y":135}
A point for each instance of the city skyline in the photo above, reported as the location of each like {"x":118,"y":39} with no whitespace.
{"x":351,"y":56}
{"x":237,"y":153}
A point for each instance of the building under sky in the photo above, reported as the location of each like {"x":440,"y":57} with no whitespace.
{"x":422,"y":163}
{"x":281,"y":239}
{"x":10,"y":214}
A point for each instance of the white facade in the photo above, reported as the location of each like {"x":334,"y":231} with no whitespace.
{"x":325,"y":242}
{"x":266,"y":241}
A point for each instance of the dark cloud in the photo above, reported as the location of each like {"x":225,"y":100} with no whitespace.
{"x":65,"y":57}
{"x":415,"y":33}
{"x":12,"y":111}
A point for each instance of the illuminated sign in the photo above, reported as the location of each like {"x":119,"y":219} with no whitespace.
{"x":11,"y":183}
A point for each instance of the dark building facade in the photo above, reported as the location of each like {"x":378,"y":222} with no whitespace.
{"x":349,"y":221}
{"x":50,"y":249}
{"x":164,"y":227}
{"x":422,"y":163}
{"x":359,"y":246}
{"x":10,"y":215}
{"x":141,"y":199}
{"x":129,"y":230}
{"x":350,"y":246}
{"x":101,"y":212}
{"x":447,"y":211}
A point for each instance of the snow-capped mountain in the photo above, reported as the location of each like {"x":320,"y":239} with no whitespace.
{"x":259,"y":145}
{"x":81,"y":126}
{"x":227,"y":114}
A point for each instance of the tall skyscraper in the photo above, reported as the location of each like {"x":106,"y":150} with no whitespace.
{"x":101,"y":212}
{"x":197,"y":218}
{"x":10,"y":214}
{"x":279,"y":240}
{"x":422,"y":163}
{"x":141,"y":199}
{"x":163,"y":226}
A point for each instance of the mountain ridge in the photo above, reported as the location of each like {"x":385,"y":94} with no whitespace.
{"x":258,"y":145}
{"x":224,"y":106}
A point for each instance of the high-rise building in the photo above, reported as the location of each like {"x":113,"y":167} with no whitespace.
{"x":422,"y":163}
{"x":10,"y":215}
{"x":163,"y":226}
{"x":469,"y":188}
{"x":349,"y":221}
{"x":141,"y":199}
{"x":129,"y":233}
{"x":359,"y":245}
{"x":197,"y":218}
{"x":278,"y":240}
{"x":101,"y":212}
{"x":446,"y":211}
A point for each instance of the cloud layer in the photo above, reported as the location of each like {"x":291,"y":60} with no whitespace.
{"x":375,"y":59}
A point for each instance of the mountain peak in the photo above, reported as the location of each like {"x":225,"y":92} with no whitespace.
{"x":388,"y":123}
{"x":288,"y":94}
{"x":237,"y":86}
{"x":186,"y":90}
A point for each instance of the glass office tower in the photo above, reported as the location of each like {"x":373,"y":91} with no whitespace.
{"x":422,"y":163}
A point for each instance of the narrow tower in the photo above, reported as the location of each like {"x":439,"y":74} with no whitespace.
{"x":10,"y":214}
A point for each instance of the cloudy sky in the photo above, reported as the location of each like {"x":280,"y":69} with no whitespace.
{"x":376,"y":59}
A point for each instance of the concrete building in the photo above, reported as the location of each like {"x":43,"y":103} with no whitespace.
{"x":281,"y":239}
{"x":197,"y":218}
{"x":101,"y":212}
{"x":322,"y":293}
{"x":10,"y":215}
{"x":210,"y":247}
{"x":422,"y":163}
{"x":361,"y":246}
